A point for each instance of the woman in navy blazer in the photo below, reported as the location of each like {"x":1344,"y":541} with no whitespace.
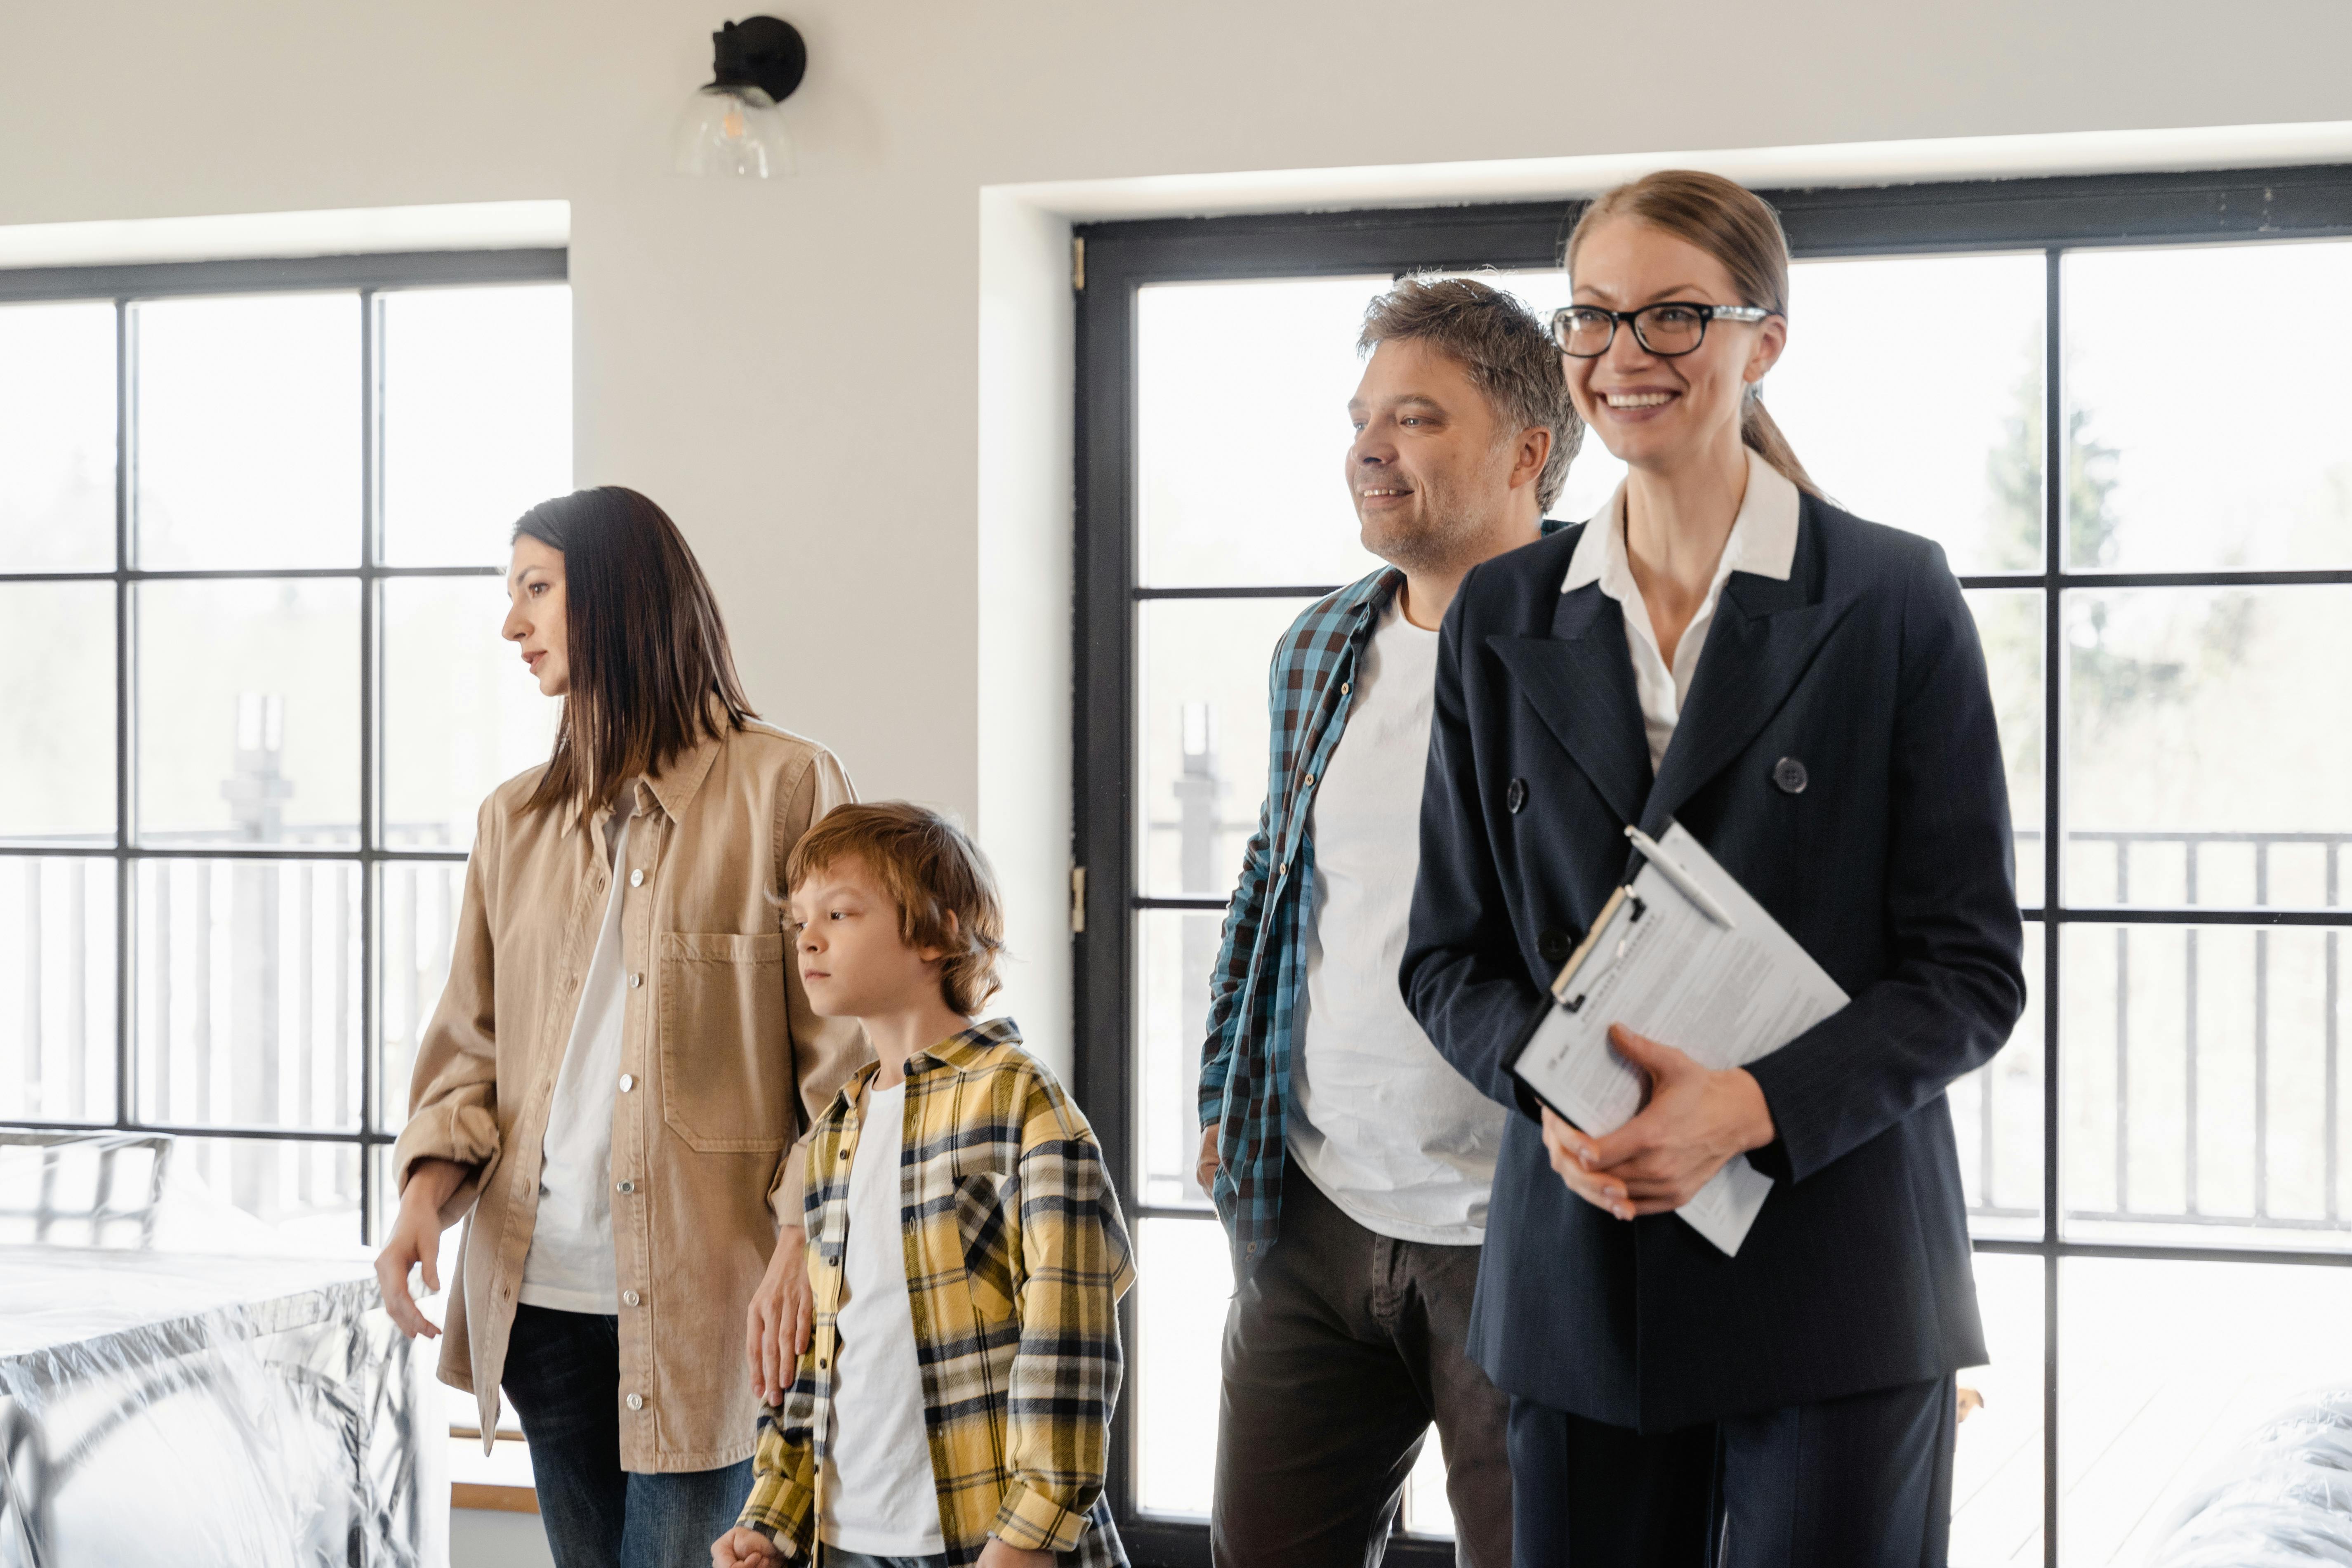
{"x":1805,"y":693}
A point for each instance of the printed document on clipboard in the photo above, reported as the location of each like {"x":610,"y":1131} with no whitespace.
{"x":1684,"y":956}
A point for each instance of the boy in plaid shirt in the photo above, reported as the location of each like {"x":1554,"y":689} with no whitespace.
{"x":966,"y":1251}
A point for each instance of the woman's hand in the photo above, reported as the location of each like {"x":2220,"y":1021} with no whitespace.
{"x":1694,"y":1122}
{"x":741,"y":1548}
{"x":416,"y":1239}
{"x":782,"y":1311}
{"x":1204,"y":1165}
{"x":997,"y":1554}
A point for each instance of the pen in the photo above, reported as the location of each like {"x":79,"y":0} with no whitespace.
{"x":1682,"y":879}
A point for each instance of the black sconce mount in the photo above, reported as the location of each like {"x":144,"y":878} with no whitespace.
{"x":761,"y":52}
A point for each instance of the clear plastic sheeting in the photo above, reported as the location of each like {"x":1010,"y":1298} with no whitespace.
{"x":178,"y":1387}
{"x":2284,"y":1499}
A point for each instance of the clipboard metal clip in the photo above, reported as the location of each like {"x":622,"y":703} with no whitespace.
{"x":1634,"y":910}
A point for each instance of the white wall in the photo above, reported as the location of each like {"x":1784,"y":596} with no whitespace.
{"x":796,"y":370}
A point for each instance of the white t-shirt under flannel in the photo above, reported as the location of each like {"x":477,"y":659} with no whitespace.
{"x":879,"y":1495}
{"x":1380,"y":1121}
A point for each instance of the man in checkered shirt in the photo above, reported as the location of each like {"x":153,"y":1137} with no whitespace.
{"x":1351,"y":1164}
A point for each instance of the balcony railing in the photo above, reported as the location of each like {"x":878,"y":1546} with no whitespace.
{"x":2203,"y":1063}
{"x":244,"y":990}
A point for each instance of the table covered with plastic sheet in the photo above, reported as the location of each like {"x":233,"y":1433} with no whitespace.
{"x":163,"y":1402}
{"x":2282,"y":1500}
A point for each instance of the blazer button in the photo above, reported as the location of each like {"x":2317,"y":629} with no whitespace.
{"x":1515,"y":796}
{"x":637,"y":1402}
{"x":1554,"y":944}
{"x":1790,"y":774}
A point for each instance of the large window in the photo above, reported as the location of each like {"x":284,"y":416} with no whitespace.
{"x":253,"y":521}
{"x":2113,"y":403}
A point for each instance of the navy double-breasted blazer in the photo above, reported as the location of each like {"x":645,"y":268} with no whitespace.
{"x":1887,"y":857}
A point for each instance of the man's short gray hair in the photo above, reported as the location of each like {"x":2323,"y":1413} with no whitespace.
{"x":1508,"y":352}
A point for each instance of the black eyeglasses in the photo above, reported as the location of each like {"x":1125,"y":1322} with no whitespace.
{"x":1674,"y":327}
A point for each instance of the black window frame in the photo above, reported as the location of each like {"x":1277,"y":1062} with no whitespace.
{"x":2051,"y":215}
{"x":365,"y":275}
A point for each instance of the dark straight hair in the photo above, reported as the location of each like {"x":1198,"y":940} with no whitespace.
{"x":651,"y":674}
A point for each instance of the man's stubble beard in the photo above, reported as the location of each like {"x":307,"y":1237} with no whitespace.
{"x":1445,"y":533}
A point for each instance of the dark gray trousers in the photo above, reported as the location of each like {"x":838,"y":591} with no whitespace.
{"x":1865,"y":1481}
{"x":1339,"y":1351}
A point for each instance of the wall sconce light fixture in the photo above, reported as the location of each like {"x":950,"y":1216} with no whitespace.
{"x":732,"y":126}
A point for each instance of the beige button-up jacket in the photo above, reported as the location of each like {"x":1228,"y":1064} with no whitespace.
{"x":725,"y":1067}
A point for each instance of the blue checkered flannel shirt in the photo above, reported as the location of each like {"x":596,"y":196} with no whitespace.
{"x":1262,"y":962}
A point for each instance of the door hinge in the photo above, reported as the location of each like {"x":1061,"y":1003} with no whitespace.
{"x":1078,"y":262}
{"x":1078,"y":901}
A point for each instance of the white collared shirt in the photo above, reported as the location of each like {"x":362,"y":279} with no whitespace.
{"x":1763,"y":541}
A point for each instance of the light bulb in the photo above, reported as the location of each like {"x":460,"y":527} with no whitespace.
{"x":731,"y":129}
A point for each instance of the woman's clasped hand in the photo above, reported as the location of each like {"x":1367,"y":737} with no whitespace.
{"x":1693,"y":1120}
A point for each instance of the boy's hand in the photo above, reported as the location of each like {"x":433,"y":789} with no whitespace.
{"x":997,"y":1554}
{"x":741,"y":1548}
{"x":776,"y":1328}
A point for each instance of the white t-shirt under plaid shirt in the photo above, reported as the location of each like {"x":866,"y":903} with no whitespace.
{"x":879,"y":1496}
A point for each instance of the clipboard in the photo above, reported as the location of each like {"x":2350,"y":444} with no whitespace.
{"x":1720,"y":979}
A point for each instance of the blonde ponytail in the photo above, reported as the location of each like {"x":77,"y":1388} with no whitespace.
{"x":1764,"y":439}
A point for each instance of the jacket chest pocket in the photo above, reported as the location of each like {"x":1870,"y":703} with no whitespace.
{"x":726,"y":1073}
{"x":988,"y":1224}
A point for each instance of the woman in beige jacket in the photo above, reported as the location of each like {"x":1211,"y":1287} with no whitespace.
{"x":612,"y":1089}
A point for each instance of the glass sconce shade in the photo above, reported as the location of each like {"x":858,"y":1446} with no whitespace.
{"x":731,"y":128}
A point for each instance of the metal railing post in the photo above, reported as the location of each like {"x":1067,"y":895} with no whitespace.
{"x":35,"y":1093}
{"x":2189,"y":1049}
{"x":2123,"y":1033}
{"x":2330,"y":1115}
{"x":1199,"y":796}
{"x":2262,"y":1037}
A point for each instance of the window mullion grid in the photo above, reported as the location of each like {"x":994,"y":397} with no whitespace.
{"x":2053,"y":685}
{"x":125,"y":912}
{"x":371,"y":755}
{"x":123,"y":849}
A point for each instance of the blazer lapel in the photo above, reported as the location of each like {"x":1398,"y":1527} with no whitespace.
{"x":1579,"y":681}
{"x":1765,"y":637}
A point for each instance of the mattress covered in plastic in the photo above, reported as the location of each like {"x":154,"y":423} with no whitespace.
{"x":168,"y":1395}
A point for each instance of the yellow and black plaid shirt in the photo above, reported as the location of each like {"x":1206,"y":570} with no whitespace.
{"x":1017,"y":1255}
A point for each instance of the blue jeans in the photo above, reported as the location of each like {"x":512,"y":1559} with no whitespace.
{"x":837,"y":1557}
{"x":563,"y":1377}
